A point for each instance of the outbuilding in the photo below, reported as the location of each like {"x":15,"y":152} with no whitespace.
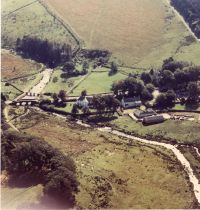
{"x":131,"y":102}
{"x":141,"y":114}
{"x":153,"y":120}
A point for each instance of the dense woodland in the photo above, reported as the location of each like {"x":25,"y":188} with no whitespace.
{"x":43,"y":51}
{"x":190,"y":10}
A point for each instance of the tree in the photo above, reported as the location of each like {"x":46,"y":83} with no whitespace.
{"x":150,"y":87}
{"x":113,"y":68}
{"x":55,"y":79}
{"x":69,"y":67}
{"x":165,"y":100}
{"x":85,"y":67}
{"x":27,"y":158}
{"x":62,"y":95}
{"x":167,"y":79}
{"x":84,"y":93}
{"x":170,"y":98}
{"x":130,"y":85}
{"x":146,"y":77}
{"x":193,"y":91}
{"x":74,"y":110}
{"x":55,"y":98}
{"x":146,"y":95}
{"x":160,"y":101}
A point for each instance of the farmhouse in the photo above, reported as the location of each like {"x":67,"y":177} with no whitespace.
{"x":131,"y":102}
{"x":153,"y":119}
{"x":82,"y":102}
{"x":141,"y":114}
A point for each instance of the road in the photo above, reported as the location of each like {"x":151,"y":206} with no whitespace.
{"x":38,"y":88}
{"x":184,"y":162}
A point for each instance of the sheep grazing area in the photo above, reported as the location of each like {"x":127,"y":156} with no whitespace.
{"x":140,"y":32}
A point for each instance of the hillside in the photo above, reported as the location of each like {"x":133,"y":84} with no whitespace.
{"x":25,"y":18}
{"x":190,"y":10}
{"x":148,"y":176}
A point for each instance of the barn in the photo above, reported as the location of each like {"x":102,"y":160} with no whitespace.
{"x":153,"y":120}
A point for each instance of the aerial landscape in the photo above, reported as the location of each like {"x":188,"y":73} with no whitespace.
{"x":100,"y":104}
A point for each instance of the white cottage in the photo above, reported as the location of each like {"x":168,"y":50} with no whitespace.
{"x":131,"y":102}
{"x":82,"y":102}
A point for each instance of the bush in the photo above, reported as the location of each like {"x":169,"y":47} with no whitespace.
{"x":55,"y":79}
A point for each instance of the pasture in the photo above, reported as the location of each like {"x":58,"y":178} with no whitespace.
{"x":60,"y":84}
{"x":148,"y":176}
{"x":170,"y":130}
{"x":98,"y":82}
{"x":32,"y":20}
{"x":140,"y":33}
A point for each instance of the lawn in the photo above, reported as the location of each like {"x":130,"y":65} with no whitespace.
{"x":24,"y":84}
{"x":181,"y":131}
{"x":32,"y":20}
{"x":13,"y":66}
{"x":60,"y":84}
{"x":148,"y":176}
{"x":98,"y":82}
{"x":183,"y":107}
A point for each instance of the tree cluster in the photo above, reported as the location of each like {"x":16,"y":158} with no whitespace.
{"x":70,"y":70}
{"x":165,"y":100}
{"x":107,"y":103}
{"x":51,"y":54}
{"x":132,"y":87}
{"x":29,"y":159}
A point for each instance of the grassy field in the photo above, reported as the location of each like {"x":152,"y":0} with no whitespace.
{"x":98,"y":82}
{"x":183,"y":107}
{"x":24,"y":84}
{"x":32,"y":20}
{"x":181,"y":131}
{"x":61,"y":84}
{"x":148,"y":176}
{"x":13,"y":66}
{"x":139,"y":32}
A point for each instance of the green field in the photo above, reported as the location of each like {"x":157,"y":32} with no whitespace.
{"x":184,"y":107}
{"x":98,"y":83}
{"x":24,"y":84}
{"x":61,"y":84}
{"x":180,"y":131}
{"x":32,"y":20}
{"x":148,"y":176}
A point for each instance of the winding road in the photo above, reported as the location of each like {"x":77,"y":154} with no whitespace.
{"x":184,"y":162}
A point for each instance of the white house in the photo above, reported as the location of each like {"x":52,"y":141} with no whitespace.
{"x":131,"y":102}
{"x":82,"y":102}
